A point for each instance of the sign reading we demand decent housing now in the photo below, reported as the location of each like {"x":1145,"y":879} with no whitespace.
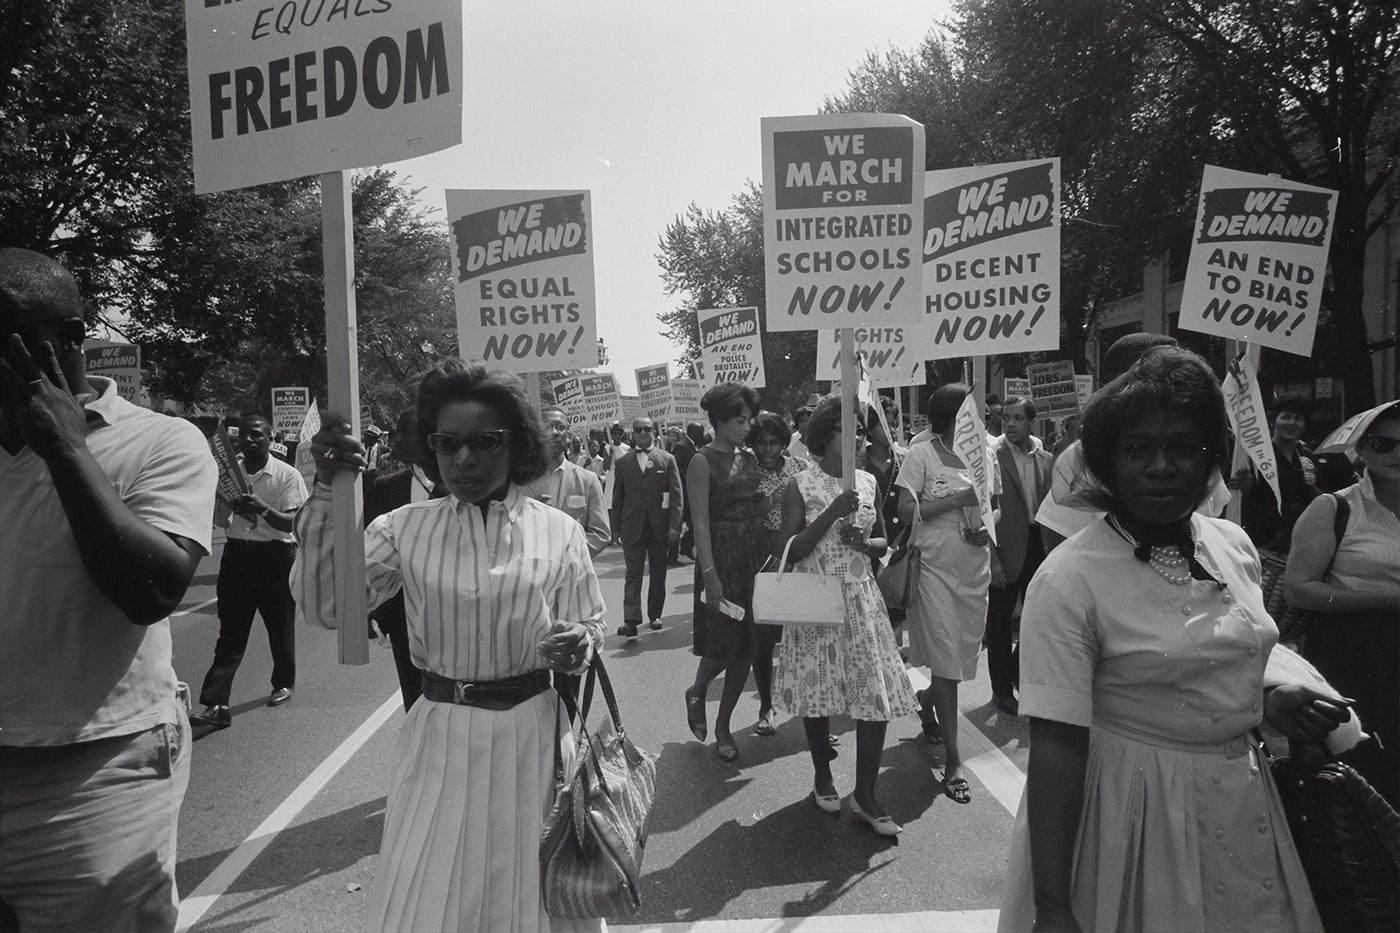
{"x":1258,"y":259}
{"x":991,"y":259}
{"x":284,"y":89}
{"x":522,"y":265}
{"x":842,"y":220}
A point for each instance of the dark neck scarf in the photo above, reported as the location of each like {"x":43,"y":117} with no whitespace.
{"x":1177,"y":534}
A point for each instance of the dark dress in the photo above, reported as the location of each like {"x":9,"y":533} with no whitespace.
{"x":738,"y":546}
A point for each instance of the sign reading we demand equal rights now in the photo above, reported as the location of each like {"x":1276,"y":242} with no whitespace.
{"x":522,"y":266}
{"x":1258,"y":259}
{"x":842,"y":220}
{"x":991,"y":259}
{"x":284,"y":89}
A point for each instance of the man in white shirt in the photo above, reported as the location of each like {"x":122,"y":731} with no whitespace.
{"x":569,"y":487}
{"x":253,"y":575}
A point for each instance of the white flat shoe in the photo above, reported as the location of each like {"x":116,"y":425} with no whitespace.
{"x":884,"y":826}
{"x":829,"y":804}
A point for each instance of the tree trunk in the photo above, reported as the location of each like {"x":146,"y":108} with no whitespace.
{"x":1352,"y":358}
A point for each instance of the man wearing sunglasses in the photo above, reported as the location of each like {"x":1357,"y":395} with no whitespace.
{"x":646,"y":510}
{"x":568,"y":486}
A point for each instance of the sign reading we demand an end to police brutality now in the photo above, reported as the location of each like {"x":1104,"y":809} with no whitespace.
{"x":284,"y":89}
{"x":991,"y":259}
{"x":522,"y":266}
{"x":731,"y":346}
{"x":842,"y":220}
{"x":1258,"y":259}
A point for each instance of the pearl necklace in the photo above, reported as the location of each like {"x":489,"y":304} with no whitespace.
{"x":1166,"y":561}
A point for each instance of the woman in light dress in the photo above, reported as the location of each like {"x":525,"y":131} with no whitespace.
{"x":853,"y":668}
{"x":499,"y":591}
{"x":1148,"y":805}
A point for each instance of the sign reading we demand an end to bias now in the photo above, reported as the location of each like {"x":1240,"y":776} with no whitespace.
{"x":842,"y":220}
{"x":991,"y":259}
{"x":731,"y":346}
{"x":1258,"y":259}
{"x":522,"y":266}
{"x":297,"y":87}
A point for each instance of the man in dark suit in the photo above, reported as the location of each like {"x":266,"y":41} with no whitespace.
{"x":1026,"y":468}
{"x":646,"y":513}
{"x":692,"y":440}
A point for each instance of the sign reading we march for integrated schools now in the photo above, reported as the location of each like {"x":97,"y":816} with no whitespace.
{"x":1258,"y":259}
{"x":991,"y":259}
{"x":842,"y":220}
{"x":731,"y":346}
{"x":281,"y":90}
{"x":522,"y":266}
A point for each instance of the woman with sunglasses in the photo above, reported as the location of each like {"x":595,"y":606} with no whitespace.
{"x":1144,"y":644}
{"x":1355,"y":584}
{"x":499,"y":591}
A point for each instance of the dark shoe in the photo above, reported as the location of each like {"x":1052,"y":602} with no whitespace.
{"x":1008,"y":705}
{"x":695,"y":716}
{"x":217,"y":717}
{"x":726,"y":749}
{"x":627,"y":630}
{"x":279,"y":696}
{"x":957,"y":789}
{"x":655,"y":625}
{"x":674,"y":562}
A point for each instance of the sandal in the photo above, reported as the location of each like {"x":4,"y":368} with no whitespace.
{"x":957,"y":789}
{"x":933,"y":732}
{"x":695,"y":716}
{"x":765,"y":724}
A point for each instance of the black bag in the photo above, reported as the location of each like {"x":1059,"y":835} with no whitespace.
{"x":1348,"y":839}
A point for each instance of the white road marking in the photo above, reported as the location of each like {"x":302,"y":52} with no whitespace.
{"x":927,"y":921}
{"x":997,"y":772}
{"x":194,"y":907}
{"x":194,"y":608}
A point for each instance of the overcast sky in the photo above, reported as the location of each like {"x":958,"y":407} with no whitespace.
{"x":650,"y":106}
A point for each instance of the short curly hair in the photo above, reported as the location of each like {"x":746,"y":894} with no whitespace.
{"x":727,"y":400}
{"x":455,"y":380}
{"x":1166,"y":378}
{"x":767,"y":424}
{"x":826,"y":424}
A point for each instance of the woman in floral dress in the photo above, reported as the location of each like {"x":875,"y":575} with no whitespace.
{"x":853,"y":668}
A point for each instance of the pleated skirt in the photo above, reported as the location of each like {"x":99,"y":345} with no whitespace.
{"x":1173,"y":840}
{"x":466,"y":809}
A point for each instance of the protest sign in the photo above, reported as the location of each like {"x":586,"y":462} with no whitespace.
{"x":289,"y":405}
{"x":304,"y":461}
{"x":601,"y":401}
{"x":281,"y":90}
{"x":232,"y":482}
{"x":991,"y":259}
{"x":889,"y":361}
{"x":1015,"y":387}
{"x":629,"y":408}
{"x":568,"y":395}
{"x":1244,"y":403}
{"x":685,"y":399}
{"x":732,"y":346}
{"x":1053,"y":388}
{"x":1258,"y":259}
{"x":522,"y":267}
{"x":654,"y":388}
{"x":1083,"y":388}
{"x":842,"y":203}
{"x":970,"y":444}
{"x":119,"y":362}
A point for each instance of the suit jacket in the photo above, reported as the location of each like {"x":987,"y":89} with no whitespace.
{"x":683,"y":452}
{"x":578,"y":493}
{"x":1014,"y":521}
{"x":637,"y":497}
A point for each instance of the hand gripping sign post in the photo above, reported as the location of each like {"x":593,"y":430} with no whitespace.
{"x":1258,"y":259}
{"x":843,"y":200}
{"x":522,"y":267}
{"x":278,"y":91}
{"x":732,"y":346}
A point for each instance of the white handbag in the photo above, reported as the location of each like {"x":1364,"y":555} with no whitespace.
{"x":794,"y":598}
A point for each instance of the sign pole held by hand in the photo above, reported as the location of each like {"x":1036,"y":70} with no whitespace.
{"x":343,"y":377}
{"x":850,"y":375}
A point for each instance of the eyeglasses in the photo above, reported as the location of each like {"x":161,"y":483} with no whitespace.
{"x":643,"y":430}
{"x":484,"y":442}
{"x":557,"y":427}
{"x":1176,"y":451}
{"x":1381,"y":445}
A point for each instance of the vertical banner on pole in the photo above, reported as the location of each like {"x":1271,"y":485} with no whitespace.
{"x":850,"y":377}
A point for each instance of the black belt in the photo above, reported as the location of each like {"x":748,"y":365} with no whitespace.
{"x":486,"y":694}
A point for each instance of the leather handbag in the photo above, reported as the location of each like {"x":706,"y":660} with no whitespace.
{"x":899,"y":578}
{"x":595,"y":834}
{"x":785,"y":597}
{"x":1348,"y":839}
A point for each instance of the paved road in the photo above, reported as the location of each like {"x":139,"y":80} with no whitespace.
{"x":281,"y":824}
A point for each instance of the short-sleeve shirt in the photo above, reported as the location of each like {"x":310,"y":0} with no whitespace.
{"x":73,"y":667}
{"x":281,"y":487}
{"x":1104,"y":638}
